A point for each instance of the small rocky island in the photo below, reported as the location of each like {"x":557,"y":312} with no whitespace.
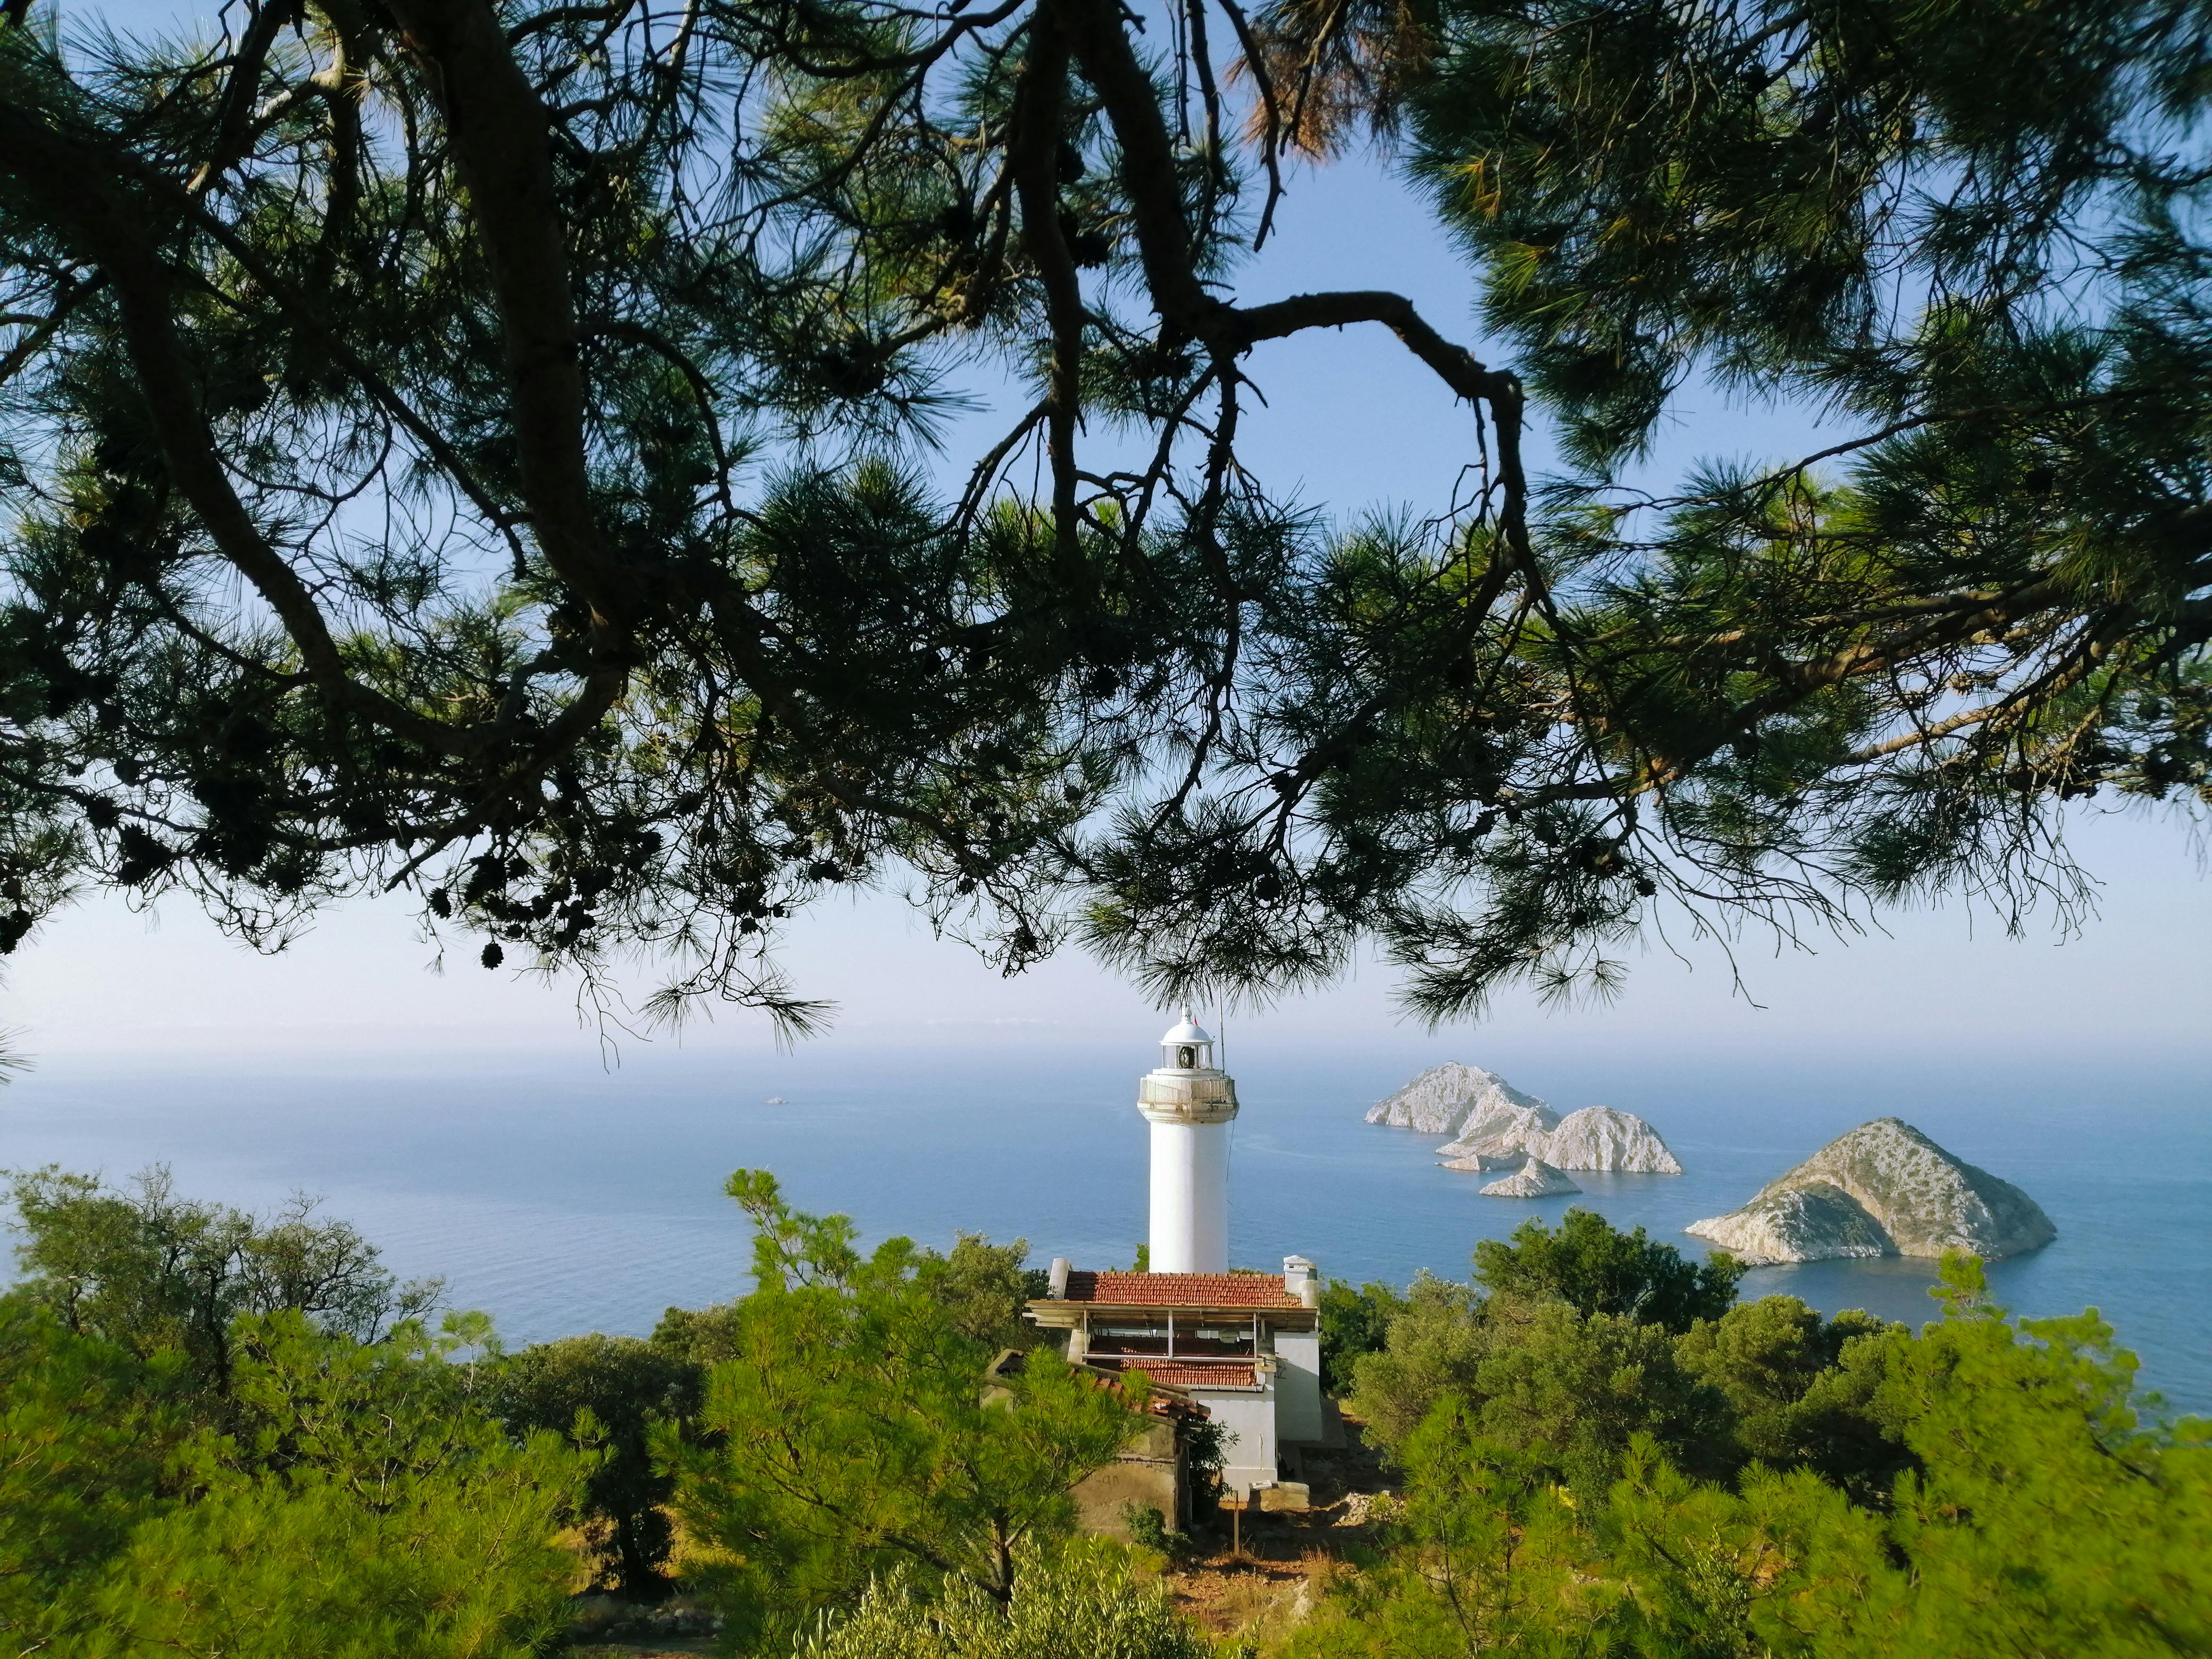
{"x":1883,"y":1190}
{"x":1495,"y":1126}
{"x":1533,"y":1179}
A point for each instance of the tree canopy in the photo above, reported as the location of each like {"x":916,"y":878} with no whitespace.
{"x":855,"y":1428}
{"x":337,"y":1496}
{"x":152,"y":1271}
{"x":485,"y":451}
{"x":2030,"y":1503}
{"x":1595,"y":1269}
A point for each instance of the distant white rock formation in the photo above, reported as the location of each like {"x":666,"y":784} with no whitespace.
{"x":1599,"y":1138}
{"x":1486,"y":1163}
{"x":1534,"y":1179}
{"x":1488,"y":1118}
{"x":1501,"y":1129}
{"x":1883,"y":1190}
{"x":1595,"y":1138}
{"x":1443,"y":1099}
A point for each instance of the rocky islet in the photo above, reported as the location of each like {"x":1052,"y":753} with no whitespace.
{"x":1882,"y":1189}
{"x":1533,"y":1179}
{"x":1498,"y":1126}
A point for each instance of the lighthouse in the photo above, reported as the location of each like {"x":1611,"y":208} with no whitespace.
{"x":1190,"y":1103}
{"x":1245,"y":1346}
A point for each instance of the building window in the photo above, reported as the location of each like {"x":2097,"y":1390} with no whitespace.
{"x":1186,"y":1057}
{"x":1130,"y":1338}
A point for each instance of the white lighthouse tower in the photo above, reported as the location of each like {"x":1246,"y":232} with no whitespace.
{"x":1190,"y":1103}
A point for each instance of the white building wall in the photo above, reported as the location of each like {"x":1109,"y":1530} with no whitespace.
{"x":1297,"y":1386}
{"x":1190,"y":1198}
{"x":1250,"y":1419}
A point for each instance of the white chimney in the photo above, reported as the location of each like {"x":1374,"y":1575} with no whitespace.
{"x":1056,"y":1286}
{"x":1301,"y":1278}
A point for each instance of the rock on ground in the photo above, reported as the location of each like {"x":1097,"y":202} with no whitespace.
{"x":1883,"y":1190}
{"x":1536,"y":1179}
{"x":1445,"y":1099}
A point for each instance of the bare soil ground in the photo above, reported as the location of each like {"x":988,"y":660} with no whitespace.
{"x":1278,"y":1575}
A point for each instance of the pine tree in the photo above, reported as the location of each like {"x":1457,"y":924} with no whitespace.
{"x":481,"y":452}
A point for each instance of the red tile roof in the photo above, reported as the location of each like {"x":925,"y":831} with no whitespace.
{"x":1180,"y":1290}
{"x":1182,"y":1374}
{"x":1168,"y":1399}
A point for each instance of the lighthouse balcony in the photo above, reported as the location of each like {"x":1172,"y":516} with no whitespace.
{"x":1199,"y":1099}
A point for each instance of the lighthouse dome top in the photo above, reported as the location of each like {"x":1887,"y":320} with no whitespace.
{"x":1187,"y":1047}
{"x":1188,"y":1031}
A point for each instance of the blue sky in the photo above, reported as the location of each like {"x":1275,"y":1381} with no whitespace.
{"x":1358,"y":424}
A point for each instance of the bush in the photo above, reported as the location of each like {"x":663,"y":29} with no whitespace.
{"x":858,"y":1427}
{"x":1148,"y":1529}
{"x":149,"y":1271}
{"x":1078,"y":1602}
{"x":2037,"y":1512}
{"x":1433,"y":1347}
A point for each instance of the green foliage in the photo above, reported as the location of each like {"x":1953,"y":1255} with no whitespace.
{"x":351,"y":1499}
{"x":1570,"y":1347}
{"x":270,"y":392}
{"x":1801,"y":1389}
{"x":1352,"y":1322}
{"x":87,"y":1435}
{"x":2044,"y":1509}
{"x":856,"y":1428}
{"x":2032,"y":1510}
{"x":1071,"y":1603}
{"x":1581,"y":1387}
{"x":1206,"y":1454}
{"x":1149,"y":1530}
{"x":1488,"y":1556}
{"x":1433,"y":1348}
{"x":150,"y":1271}
{"x":604,"y":1394}
{"x":1595,"y":1269}
{"x":985,"y":1287}
{"x":701,"y":1336}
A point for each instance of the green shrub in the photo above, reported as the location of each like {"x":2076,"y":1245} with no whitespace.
{"x":1352,"y":1322}
{"x":1079,"y":1602}
{"x":1148,"y":1529}
{"x":151,"y":1272}
{"x":858,"y":1427}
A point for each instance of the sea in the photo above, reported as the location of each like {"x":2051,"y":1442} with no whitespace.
{"x":561,"y":1195}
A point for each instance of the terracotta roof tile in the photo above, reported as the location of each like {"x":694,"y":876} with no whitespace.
{"x":1180,"y":1290}
{"x":1182,"y":1374}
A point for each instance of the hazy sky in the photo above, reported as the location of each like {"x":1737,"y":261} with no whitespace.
{"x":1361,"y":425}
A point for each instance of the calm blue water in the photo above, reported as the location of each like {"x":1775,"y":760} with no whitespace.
{"x":561,"y":1199}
